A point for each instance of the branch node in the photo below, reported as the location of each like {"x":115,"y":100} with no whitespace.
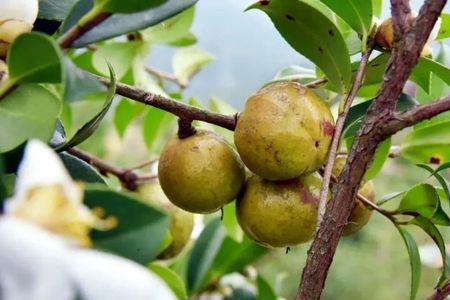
{"x":185,"y":128}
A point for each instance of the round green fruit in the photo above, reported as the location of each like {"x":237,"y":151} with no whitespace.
{"x":181,"y":222}
{"x":200,"y":173}
{"x":360,"y":214}
{"x":284,"y":131}
{"x":281,"y":213}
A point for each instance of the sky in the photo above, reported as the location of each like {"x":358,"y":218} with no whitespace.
{"x":248,"y":50}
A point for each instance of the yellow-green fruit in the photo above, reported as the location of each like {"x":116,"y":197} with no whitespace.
{"x":200,"y":173}
{"x":181,"y":222}
{"x":279,"y":213}
{"x":360,"y":214}
{"x":284,"y":131}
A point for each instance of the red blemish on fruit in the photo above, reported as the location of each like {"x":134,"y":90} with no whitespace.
{"x":328,"y":128}
{"x":435,"y":160}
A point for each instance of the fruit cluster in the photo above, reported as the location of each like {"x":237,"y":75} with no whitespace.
{"x":283,"y":137}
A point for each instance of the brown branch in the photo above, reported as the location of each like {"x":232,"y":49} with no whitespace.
{"x":338,"y":131}
{"x":78,"y":30}
{"x":127,"y":176}
{"x":180,"y":109}
{"x":317,"y":83}
{"x":404,"y":57}
{"x":401,"y":15}
{"x":441,"y":294}
{"x":417,"y":114}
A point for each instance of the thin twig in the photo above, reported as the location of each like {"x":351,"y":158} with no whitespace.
{"x":165,"y":76}
{"x":317,"y":83}
{"x":127,"y":176}
{"x":338,"y":131}
{"x":180,"y":109}
{"x":441,"y":294}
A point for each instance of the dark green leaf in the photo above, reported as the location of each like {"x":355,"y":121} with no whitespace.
{"x":129,"y":6}
{"x":381,"y":155}
{"x":89,"y":128}
{"x":138,"y":237}
{"x":80,"y":170}
{"x":265,"y":291}
{"x":42,"y":65}
{"x":28,"y":112}
{"x":414,"y":261}
{"x":422,"y":199}
{"x":203,"y":254}
{"x":55,"y":9}
{"x":434,"y":233}
{"x":357,"y":13}
{"x":300,"y":21}
{"x":120,"y":24}
{"x":443,"y":167}
{"x":171,"y":278}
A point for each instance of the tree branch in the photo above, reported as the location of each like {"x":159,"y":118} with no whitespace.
{"x":165,"y":75}
{"x":404,"y":57}
{"x":338,"y":131}
{"x":89,"y":21}
{"x":180,"y":109}
{"x":127,"y":177}
{"x":401,"y":16}
{"x":441,"y":294}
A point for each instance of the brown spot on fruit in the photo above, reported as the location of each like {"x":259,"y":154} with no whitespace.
{"x":317,"y":144}
{"x":328,"y":128}
{"x":331,"y":32}
{"x":264,"y":2}
{"x":320,"y":49}
{"x":435,"y":160}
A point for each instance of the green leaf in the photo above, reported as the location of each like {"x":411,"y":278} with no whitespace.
{"x":119,"y":55}
{"x":129,"y":6}
{"x":188,"y":61}
{"x":265,"y":291}
{"x":120,"y":24}
{"x":55,"y":9}
{"x":188,"y":40}
{"x":440,"y":70}
{"x":30,"y":111}
{"x":300,"y":21}
{"x":79,"y":84}
{"x":414,"y":261}
{"x":428,"y":144}
{"x":421,"y":199}
{"x":377,"y":7}
{"x":439,"y":178}
{"x":171,"y":278}
{"x":388,"y":197}
{"x":444,"y":31}
{"x":357,"y":13}
{"x":230,"y":223}
{"x":223,"y":107}
{"x":381,"y":155}
{"x":170,"y":30}
{"x":443,"y":167}
{"x":89,"y":128}
{"x":203,"y":254}
{"x":156,"y":127}
{"x":80,"y":170}
{"x":126,"y":111}
{"x":138,"y":237}
{"x":42,"y":65}
{"x":434,"y":233}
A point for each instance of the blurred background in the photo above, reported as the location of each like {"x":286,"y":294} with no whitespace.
{"x":373,"y":264}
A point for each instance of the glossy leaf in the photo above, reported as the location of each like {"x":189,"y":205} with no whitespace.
{"x":80,"y":170}
{"x":55,"y":9}
{"x":357,"y":13}
{"x":414,"y":261}
{"x":30,"y":111}
{"x":171,"y":278}
{"x":422,"y":199}
{"x":444,"y":31}
{"x":129,"y":6}
{"x":203,"y":254}
{"x":434,"y":233}
{"x":119,"y":23}
{"x":381,"y":155}
{"x":300,"y":21}
{"x":428,"y":144}
{"x":24,"y":67}
{"x":89,"y":128}
{"x":138,"y":238}
{"x":265,"y":291}
{"x":440,"y":70}
{"x":442,"y":181}
{"x":188,"y":61}
{"x":79,"y":84}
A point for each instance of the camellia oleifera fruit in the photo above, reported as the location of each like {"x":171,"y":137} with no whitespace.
{"x":360,"y":214}
{"x":200,"y":173}
{"x":181,"y":222}
{"x":279,"y":213}
{"x":16,"y":17}
{"x":284,"y":131}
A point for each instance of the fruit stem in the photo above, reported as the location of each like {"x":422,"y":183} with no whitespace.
{"x":185,"y":128}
